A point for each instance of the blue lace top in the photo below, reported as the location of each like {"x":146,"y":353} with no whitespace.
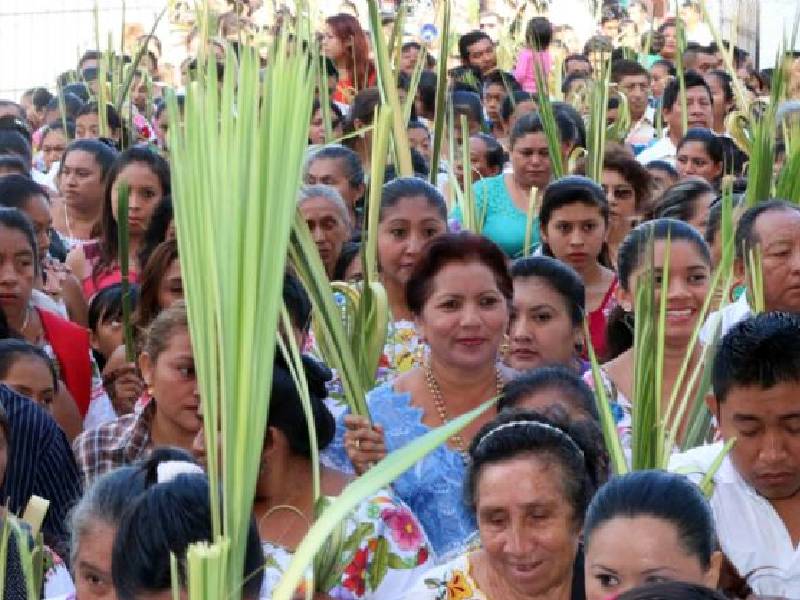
{"x":434,"y":487}
{"x":504,"y":223}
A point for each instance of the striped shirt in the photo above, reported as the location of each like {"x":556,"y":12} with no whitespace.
{"x":41,"y":463}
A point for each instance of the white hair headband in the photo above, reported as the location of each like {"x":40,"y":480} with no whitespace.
{"x":532,"y":425}
{"x":170,"y":469}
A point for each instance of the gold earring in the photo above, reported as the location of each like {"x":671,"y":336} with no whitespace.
{"x":505,"y":347}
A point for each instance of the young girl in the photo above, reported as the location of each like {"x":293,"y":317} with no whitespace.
{"x":147,"y":175}
{"x":688,"y":284}
{"x":538,"y":36}
{"x":574,"y":225}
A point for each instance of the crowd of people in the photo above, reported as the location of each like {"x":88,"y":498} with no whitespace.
{"x":523,"y":503}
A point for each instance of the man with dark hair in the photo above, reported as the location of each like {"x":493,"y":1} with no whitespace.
{"x":774,"y":227}
{"x":706,"y":60}
{"x":756,"y":490}
{"x":11,"y":108}
{"x":409,"y":53}
{"x":477,"y":50}
{"x":699,"y":105}
{"x":634,"y":81}
{"x":577,"y":63}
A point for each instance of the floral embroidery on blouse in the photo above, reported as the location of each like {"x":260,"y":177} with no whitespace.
{"x":620,"y":406}
{"x":451,"y":581}
{"x":433,"y":487}
{"x":385,"y":552}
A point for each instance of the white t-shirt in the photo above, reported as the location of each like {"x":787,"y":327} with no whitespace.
{"x":730,"y":315}
{"x":750,"y":532}
{"x":663,"y":149}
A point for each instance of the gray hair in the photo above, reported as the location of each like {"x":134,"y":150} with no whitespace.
{"x":354,"y":171}
{"x":331,"y":194}
{"x":104,"y":501}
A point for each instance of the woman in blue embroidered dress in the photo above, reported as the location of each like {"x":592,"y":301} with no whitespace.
{"x":459,"y":294}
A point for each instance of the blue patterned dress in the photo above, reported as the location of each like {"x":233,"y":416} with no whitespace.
{"x":434,"y":487}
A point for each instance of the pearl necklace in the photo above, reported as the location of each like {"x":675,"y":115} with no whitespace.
{"x":441,"y":406}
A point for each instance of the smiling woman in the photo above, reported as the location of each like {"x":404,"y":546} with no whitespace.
{"x":529,"y":531}
{"x":458,"y":293}
{"x":688,"y":284}
{"x":674,"y":538}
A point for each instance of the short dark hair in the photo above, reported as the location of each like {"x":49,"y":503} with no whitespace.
{"x":407,"y":187}
{"x":746,"y":238}
{"x":16,"y":190}
{"x":467,"y":40}
{"x":350,"y":160}
{"x":663,"y":62}
{"x":763,"y":351}
{"x":106,"y":304}
{"x":571,"y":387}
{"x":20,"y":111}
{"x":532,"y":123}
{"x":455,"y":248}
{"x":469,"y":104}
{"x":709,"y":139}
{"x":633,"y":248}
{"x":579,"y":58}
{"x":503,"y":78}
{"x":666,"y":496}
{"x":182,"y":508}
{"x":514,"y":433}
{"x":626,"y":68}
{"x":12,"y":350}
{"x":495,"y":155}
{"x":673,"y":88}
{"x":539,"y":33}
{"x":560,"y":277}
{"x":572,"y":189}
{"x":572,"y":78}
{"x":511,"y":100}
{"x":15,"y":165}
{"x":680,"y":201}
{"x":671,"y":590}
{"x":13,"y":142}
{"x":104,"y":155}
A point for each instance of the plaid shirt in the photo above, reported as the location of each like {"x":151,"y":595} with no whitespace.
{"x":115,"y":444}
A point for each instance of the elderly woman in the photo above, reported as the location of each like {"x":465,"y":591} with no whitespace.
{"x":328,"y":219}
{"x":459,"y":293}
{"x":339,"y":167}
{"x":530,"y":530}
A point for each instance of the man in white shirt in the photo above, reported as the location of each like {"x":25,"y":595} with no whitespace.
{"x":634,"y":81}
{"x":774,"y":226}
{"x":699,"y":106}
{"x":756,"y":491}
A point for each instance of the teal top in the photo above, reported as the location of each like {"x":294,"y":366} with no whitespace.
{"x":504,"y":223}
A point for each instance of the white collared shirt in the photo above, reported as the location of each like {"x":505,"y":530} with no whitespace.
{"x":728,"y":315}
{"x":751,"y":533}
{"x":663,"y":149}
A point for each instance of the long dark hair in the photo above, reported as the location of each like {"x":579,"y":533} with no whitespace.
{"x":574,"y":189}
{"x":109,"y":236}
{"x":631,"y":254}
